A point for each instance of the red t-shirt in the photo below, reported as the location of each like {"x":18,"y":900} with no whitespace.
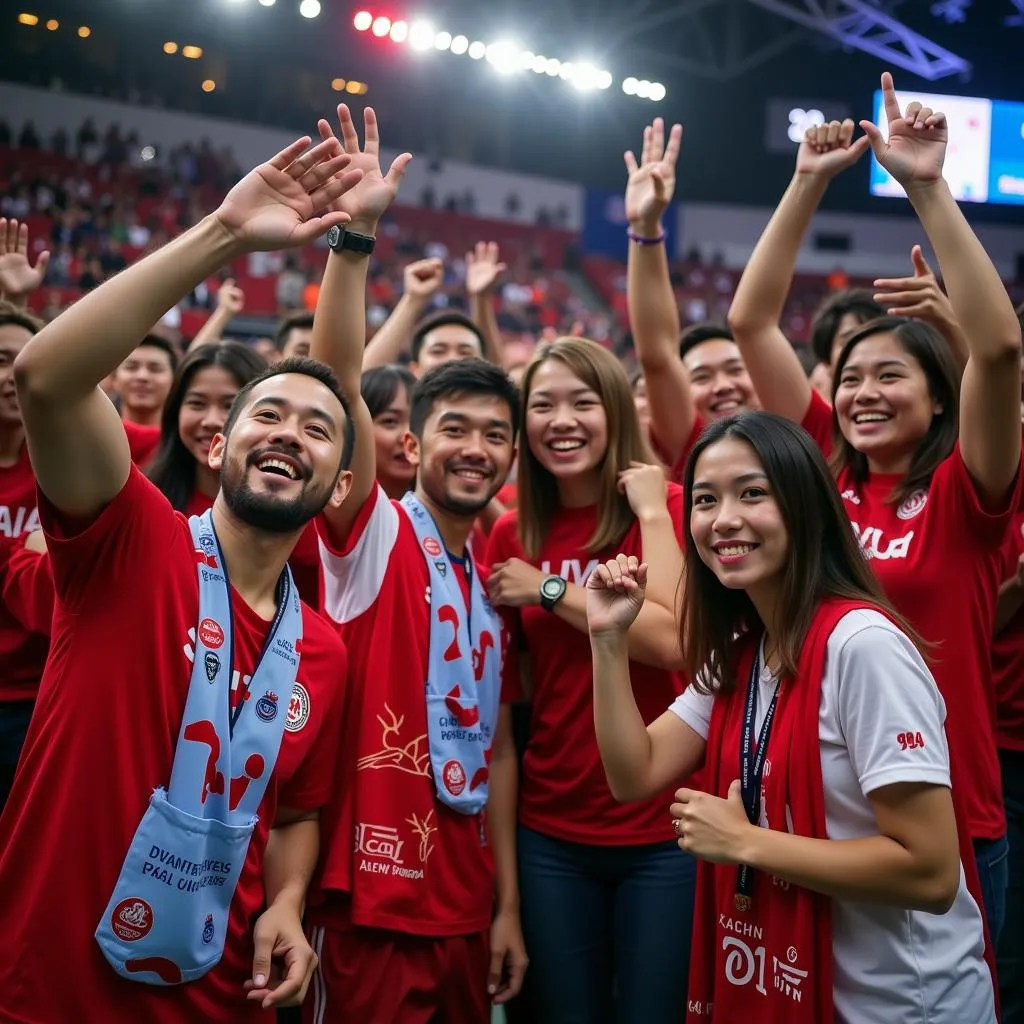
{"x":18,"y":498}
{"x":938,"y":557}
{"x":416,"y":865}
{"x":26,"y":606}
{"x":305,"y":560}
{"x":564,"y":791}
{"x":678,"y":468}
{"x":142,"y":440}
{"x":102,"y":738}
{"x":1008,"y":654}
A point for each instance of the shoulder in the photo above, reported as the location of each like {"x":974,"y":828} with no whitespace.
{"x":503,"y":540}
{"x":867,"y":633}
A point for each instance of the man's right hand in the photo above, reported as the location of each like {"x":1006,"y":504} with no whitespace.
{"x":17,"y":276}
{"x":422,"y":279}
{"x":274,"y":205}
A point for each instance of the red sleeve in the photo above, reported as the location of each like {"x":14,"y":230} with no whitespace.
{"x":315,"y":780}
{"x":502,"y":545}
{"x":28,"y":590}
{"x":817,"y":422}
{"x":306,"y":569}
{"x":90,"y":559}
{"x":143,"y":442}
{"x":989,"y":526}
{"x":678,"y":468}
{"x":675,"y":500}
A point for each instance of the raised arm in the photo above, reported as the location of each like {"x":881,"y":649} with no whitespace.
{"x":339,"y":324}
{"x":990,"y":433}
{"x":756,"y":310}
{"x":653,"y":311}
{"x":639,"y":760}
{"x":420,"y":281}
{"x":483,"y":268}
{"x":230,"y":302}
{"x":18,"y":278}
{"x":76,"y":441}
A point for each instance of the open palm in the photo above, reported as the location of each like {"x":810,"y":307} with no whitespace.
{"x":274,"y":206}
{"x":17,"y":276}
{"x":367,"y":201}
{"x":652,"y":182}
{"x":916,"y":148}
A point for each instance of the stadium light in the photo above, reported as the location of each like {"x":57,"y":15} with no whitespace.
{"x":443,"y":41}
{"x":209,"y":85}
{"x":53,"y":24}
{"x":362,"y":21}
{"x":189,"y":52}
{"x":84,"y":31}
{"x":554,"y":66}
{"x":503,"y":56}
{"x":170,"y":47}
{"x":421,"y":35}
{"x":381,"y":26}
{"x":399,"y":31}
{"x":338,"y":84}
{"x":657,"y":92}
{"x":629,"y":86}
{"x":28,"y":19}
{"x":310,"y":8}
{"x":460,"y":44}
{"x":267,"y":3}
{"x":477,"y":50}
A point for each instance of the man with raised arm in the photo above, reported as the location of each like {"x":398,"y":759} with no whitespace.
{"x":188,"y":717}
{"x":416,"y":914}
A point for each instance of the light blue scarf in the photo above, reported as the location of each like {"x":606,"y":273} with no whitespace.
{"x":166,"y":921}
{"x":463,"y":693}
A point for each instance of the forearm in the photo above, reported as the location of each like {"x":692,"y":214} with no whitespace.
{"x":875,"y":869}
{"x":290,"y":860}
{"x":1008,"y":603}
{"x":764,"y":286}
{"x":979,"y":300}
{"x":211,"y":331}
{"x":502,"y":803}
{"x":393,"y":335}
{"x":663,"y":555}
{"x":339,"y":324}
{"x":653,"y":313}
{"x":652,"y":639}
{"x":622,"y":736}
{"x":481,"y":308}
{"x":89,"y":340}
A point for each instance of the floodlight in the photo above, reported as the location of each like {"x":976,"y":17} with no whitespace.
{"x":657,"y":92}
{"x":381,"y":26}
{"x":362,"y":21}
{"x":443,"y":41}
{"x":399,"y":31}
{"x":310,"y":8}
{"x":460,"y":44}
{"x":477,"y":50}
{"x":421,"y":35}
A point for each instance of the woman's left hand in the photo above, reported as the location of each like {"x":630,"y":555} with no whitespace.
{"x":514,"y":584}
{"x":709,"y":827}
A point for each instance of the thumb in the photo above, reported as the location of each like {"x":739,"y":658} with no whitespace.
{"x":921,"y":267}
{"x":263,"y":943}
{"x":874,"y":136}
{"x":229,"y":282}
{"x":397,"y":170}
{"x":43,"y":261}
{"x":857,"y":149}
{"x":735,"y":792}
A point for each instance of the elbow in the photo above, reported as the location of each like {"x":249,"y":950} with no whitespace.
{"x":743,"y":319}
{"x":625,"y":791}
{"x":938,"y":889}
{"x":29,"y":376}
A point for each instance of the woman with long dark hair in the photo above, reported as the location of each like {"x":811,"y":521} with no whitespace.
{"x":927,"y":462}
{"x":387,"y":391}
{"x":832,"y":883}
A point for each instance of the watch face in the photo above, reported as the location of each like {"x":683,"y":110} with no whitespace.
{"x":552,"y":587}
{"x":334,"y":235}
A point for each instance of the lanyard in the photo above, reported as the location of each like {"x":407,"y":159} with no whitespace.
{"x":752,"y":769}
{"x":234,"y":713}
{"x":466,"y":561}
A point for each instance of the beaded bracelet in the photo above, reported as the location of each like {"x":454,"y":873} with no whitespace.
{"x":641,"y":240}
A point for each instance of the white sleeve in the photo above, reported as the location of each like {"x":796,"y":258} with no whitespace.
{"x":694,"y":709}
{"x":353,"y":576}
{"x":890,"y":710}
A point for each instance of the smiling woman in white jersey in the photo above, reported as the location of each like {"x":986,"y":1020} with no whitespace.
{"x":928,"y":466}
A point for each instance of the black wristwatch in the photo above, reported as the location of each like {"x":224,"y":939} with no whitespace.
{"x":552,"y":590}
{"x":341,"y":240}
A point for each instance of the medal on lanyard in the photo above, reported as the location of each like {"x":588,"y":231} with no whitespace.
{"x":752,"y":771}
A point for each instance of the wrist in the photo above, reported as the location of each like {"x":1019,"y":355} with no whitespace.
{"x":812,"y":182}
{"x":647,"y":227}
{"x":653,"y":516}
{"x":750,"y":848}
{"x":213,"y":231}
{"x":922,"y":192}
{"x":507,"y":905}
{"x":612,"y":642}
{"x":291,"y":899}
{"x":362,"y":226}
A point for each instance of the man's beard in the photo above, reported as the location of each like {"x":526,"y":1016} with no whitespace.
{"x":458,"y":507}
{"x":267,"y":512}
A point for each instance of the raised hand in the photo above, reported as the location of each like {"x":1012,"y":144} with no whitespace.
{"x":483,"y":268}
{"x":17,"y":276}
{"x":423,"y":278}
{"x":367,"y":201}
{"x":615,"y":594}
{"x":652,"y":182}
{"x":919,"y":296}
{"x":275,"y":205}
{"x":645,"y":489}
{"x":829,"y":148}
{"x":916,"y":148}
{"x":230,"y":298}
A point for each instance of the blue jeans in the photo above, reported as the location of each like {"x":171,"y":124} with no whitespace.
{"x":1010,"y":948}
{"x":992,"y":858}
{"x":14,"y":719}
{"x":607,"y":930}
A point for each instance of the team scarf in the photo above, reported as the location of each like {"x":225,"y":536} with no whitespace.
{"x":463,"y":694}
{"x":166,"y":921}
{"x":762,"y":948}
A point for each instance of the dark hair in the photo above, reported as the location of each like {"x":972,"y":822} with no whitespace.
{"x":825,"y":322}
{"x":155,"y":341}
{"x":823,"y":558}
{"x":457,"y":378}
{"x":931,"y":351}
{"x":303,"y":321}
{"x":537,"y":487}
{"x":697,"y":334}
{"x":14,"y":316}
{"x":306,"y":367}
{"x":380,"y":385}
{"x":173,"y":469}
{"x":448,"y":317}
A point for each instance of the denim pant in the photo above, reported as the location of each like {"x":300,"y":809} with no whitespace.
{"x":991,"y":856}
{"x":607,"y":930}
{"x":14,"y":719}
{"x":1010,"y":948}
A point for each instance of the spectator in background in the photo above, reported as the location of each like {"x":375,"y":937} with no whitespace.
{"x":143,"y":380}
{"x":294,"y":334}
{"x":60,"y":143}
{"x":837,"y":318}
{"x":87,"y":140}
{"x":29,"y":138}
{"x":290,"y":283}
{"x":5,"y":133}
{"x":92,"y":275}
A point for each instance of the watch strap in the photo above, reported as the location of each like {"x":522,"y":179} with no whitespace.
{"x":341,"y":240}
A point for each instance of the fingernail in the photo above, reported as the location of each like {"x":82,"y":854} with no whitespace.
{"x":260,"y":979}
